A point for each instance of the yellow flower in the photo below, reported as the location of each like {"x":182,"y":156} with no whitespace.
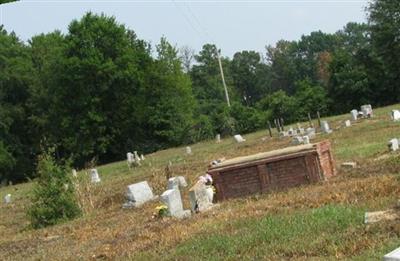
{"x":161,"y":207}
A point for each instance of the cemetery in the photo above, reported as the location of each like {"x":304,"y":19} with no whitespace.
{"x":232,"y":190}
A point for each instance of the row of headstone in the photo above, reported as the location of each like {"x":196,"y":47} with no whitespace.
{"x":366,"y":112}
{"x":133,"y":159}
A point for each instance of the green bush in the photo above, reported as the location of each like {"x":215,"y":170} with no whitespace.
{"x":248,"y":119}
{"x":54,"y":198}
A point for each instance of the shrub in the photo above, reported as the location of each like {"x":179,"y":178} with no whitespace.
{"x":53,"y":199}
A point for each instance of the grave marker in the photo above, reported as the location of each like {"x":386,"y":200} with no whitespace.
{"x":392,"y":256}
{"x":354,"y":115}
{"x":347,"y":123}
{"x":395,"y":115}
{"x":393,"y":144}
{"x":238,"y":138}
{"x":199,"y":196}
{"x":7,"y":199}
{"x":218,"y":138}
{"x":325,"y":127}
{"x":177,"y":182}
{"x":188,"y":150}
{"x":95,"y":178}
{"x":137,"y":194}
{"x":172,"y":198}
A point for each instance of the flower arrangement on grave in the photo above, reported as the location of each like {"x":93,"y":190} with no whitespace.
{"x":162,"y":211}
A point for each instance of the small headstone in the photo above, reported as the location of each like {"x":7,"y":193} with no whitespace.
{"x":136,"y":156}
{"x":377,"y":216}
{"x":347,"y":123}
{"x":188,"y":150}
{"x":349,"y":165}
{"x":142,"y":157}
{"x":354,"y":115}
{"x":367,"y":110}
{"x":325,"y":127}
{"x":172,"y":199}
{"x":395,"y":115}
{"x":74,"y":173}
{"x":199,"y":196}
{"x":218,"y":138}
{"x":177,"y":182}
{"x":310,"y":133}
{"x":291,"y":132}
{"x":283,"y":134}
{"x":392,"y":256}
{"x":138,"y":194}
{"x":7,"y":199}
{"x":238,"y":138}
{"x":306,"y":140}
{"x":297,"y":140}
{"x":393,"y":144}
{"x":95,"y":176}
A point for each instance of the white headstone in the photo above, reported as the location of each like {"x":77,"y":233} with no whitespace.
{"x":325,"y":127}
{"x":238,"y":138}
{"x":188,"y":150}
{"x":310,"y":133}
{"x":349,"y":165}
{"x":142,"y":157}
{"x":74,"y":173}
{"x":138,"y":194}
{"x":354,"y":115}
{"x":136,"y":156}
{"x":172,"y":199}
{"x":177,"y":182}
{"x":7,"y":199}
{"x":297,"y":140}
{"x":393,"y":144}
{"x":395,"y":115}
{"x":306,"y":140}
{"x":347,"y":123}
{"x":95,"y":176}
{"x":199,"y":196}
{"x":218,"y":138}
{"x":366,"y":110}
{"x":130,"y":157}
{"x":392,"y":256}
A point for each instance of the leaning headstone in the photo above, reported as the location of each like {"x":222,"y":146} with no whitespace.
{"x":238,"y":138}
{"x":74,"y":173}
{"x":306,"y":140}
{"x":188,"y":150}
{"x":177,"y":182}
{"x":325,"y":127}
{"x":347,"y":123}
{"x":354,"y":115}
{"x":137,"y":194}
{"x":199,"y":196}
{"x":393,"y":144}
{"x":172,"y":199}
{"x":392,"y":256}
{"x":395,"y":115}
{"x":297,"y":140}
{"x":218,"y":138}
{"x":7,"y":199}
{"x":95,"y":178}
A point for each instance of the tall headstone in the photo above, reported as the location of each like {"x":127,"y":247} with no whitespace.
{"x":177,"y":182}
{"x":94,"y":175}
{"x":218,"y":138}
{"x":325,"y":127}
{"x":393,"y":144}
{"x":137,"y":194}
{"x":172,"y":199}
{"x":395,"y":115}
{"x":130,"y":157}
{"x":188,"y":150}
{"x":354,"y":115}
{"x":238,"y":138}
{"x":199,"y":196}
{"x":7,"y":199}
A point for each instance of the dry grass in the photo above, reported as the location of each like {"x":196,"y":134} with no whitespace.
{"x":234,"y":228}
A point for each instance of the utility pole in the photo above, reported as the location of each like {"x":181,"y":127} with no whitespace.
{"x":223,"y":79}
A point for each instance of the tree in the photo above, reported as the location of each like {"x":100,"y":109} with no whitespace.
{"x":54,"y":199}
{"x":384,"y":24}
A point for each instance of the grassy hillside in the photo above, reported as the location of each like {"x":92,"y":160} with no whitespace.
{"x":320,"y":221}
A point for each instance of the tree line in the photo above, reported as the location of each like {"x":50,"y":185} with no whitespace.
{"x":99,"y":91}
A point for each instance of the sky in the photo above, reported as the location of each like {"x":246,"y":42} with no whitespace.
{"x":230,"y":24}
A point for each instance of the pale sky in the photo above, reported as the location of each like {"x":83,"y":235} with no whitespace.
{"x":232,"y":25}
